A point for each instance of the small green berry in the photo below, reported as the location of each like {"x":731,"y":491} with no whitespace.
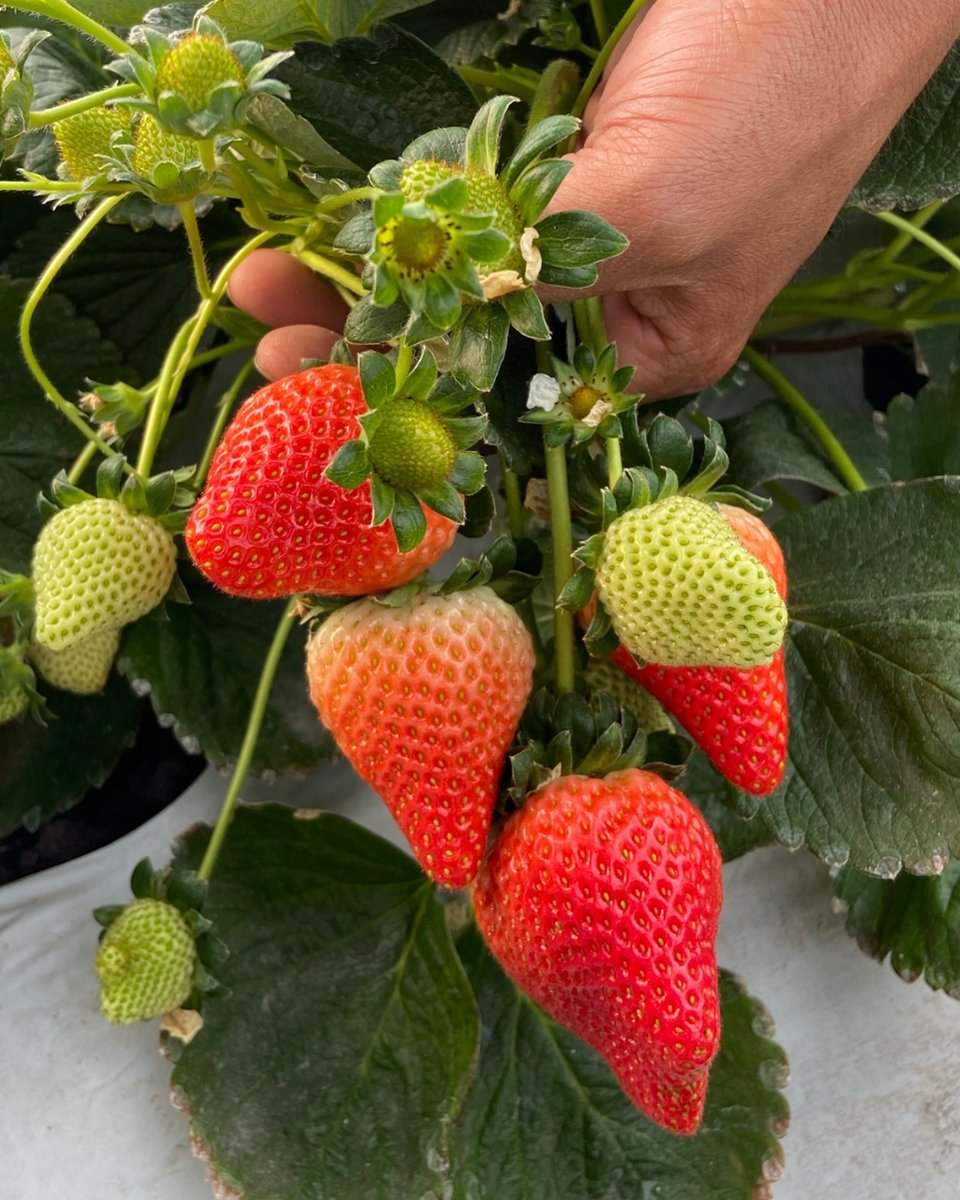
{"x":411,"y":448}
{"x":146,"y":962}
{"x":195,"y":66}
{"x":86,"y":137}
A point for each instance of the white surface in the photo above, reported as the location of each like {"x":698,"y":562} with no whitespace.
{"x":84,"y":1109}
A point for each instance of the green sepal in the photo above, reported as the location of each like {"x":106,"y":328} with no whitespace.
{"x":444,"y":499}
{"x":577,"y":590}
{"x":467,"y":431}
{"x":368,"y":324}
{"x":386,"y":289}
{"x":537,"y":186}
{"x":588,"y":553}
{"x":568,"y":277}
{"x":145,"y":881}
{"x":556,"y":435}
{"x":449,"y":195}
{"x":387,"y":206}
{"x":422,"y":379}
{"x":158,"y":493}
{"x":610,"y":427}
{"x":186,"y":891}
{"x":383,"y":498}
{"x":357,"y":235}
{"x":482,"y":146}
{"x":469,"y":472}
{"x":578,"y":239}
{"x":66,"y":493}
{"x":487,"y":245}
{"x":387,"y":174}
{"x":350,"y":467}
{"x":421,"y":329}
{"x":441,"y":301}
{"x":600,"y":639}
{"x":110,"y":477}
{"x":401,"y":596}
{"x":739,"y":498}
{"x":177,"y":592}
{"x":478,"y":345}
{"x":549,"y":132}
{"x":106,"y":914}
{"x":447,"y":145}
{"x":512,"y":567}
{"x":377,"y":377}
{"x":526,"y":314}
{"x":480,"y":510}
{"x":409,"y":522}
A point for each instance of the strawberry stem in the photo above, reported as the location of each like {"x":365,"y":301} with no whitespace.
{"x":224,"y":409}
{"x":192,"y":229}
{"x":809,"y":415}
{"x":329,"y":269}
{"x":596,"y":71}
{"x":60,"y":10}
{"x":562,"y":539}
{"x":181,"y":353}
{"x":40,"y":289}
{"x":599,"y":13}
{"x":250,"y":737}
{"x":913,"y":230}
{"x":81,"y":462}
{"x":70,"y":108}
{"x":905,"y":237}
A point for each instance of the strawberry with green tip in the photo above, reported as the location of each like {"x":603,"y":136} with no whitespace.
{"x":681,"y":590}
{"x":271,"y":521}
{"x":96,"y":566}
{"x":146,"y":962}
{"x":600,"y":898}
{"x":424,"y":700}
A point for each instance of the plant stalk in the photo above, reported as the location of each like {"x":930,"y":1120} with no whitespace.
{"x":562,"y":537}
{"x":70,"y":108}
{"x":250,"y":738}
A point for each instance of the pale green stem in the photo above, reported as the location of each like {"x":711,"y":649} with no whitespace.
{"x":810,"y":417}
{"x":250,"y":737}
{"x":208,"y":156}
{"x":81,"y":462}
{"x":60,"y":10}
{"x":515,"y":511}
{"x":404,"y":363}
{"x":499,"y":82}
{"x":562,"y":539}
{"x":224,"y":409}
{"x":70,"y":108}
{"x":914,"y":231}
{"x":600,"y":23}
{"x":192,"y":229}
{"x":603,"y":57}
{"x":181,"y":354}
{"x":906,"y":236}
{"x":333,"y":271}
{"x":40,"y":289}
{"x":614,"y":460}
{"x":354,"y":196}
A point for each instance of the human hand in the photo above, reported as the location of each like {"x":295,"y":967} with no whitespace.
{"x":723,"y":142}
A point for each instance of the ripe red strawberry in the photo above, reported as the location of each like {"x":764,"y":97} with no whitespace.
{"x":600,"y":899}
{"x":269,"y":523}
{"x":424,"y":700}
{"x":737,"y":716}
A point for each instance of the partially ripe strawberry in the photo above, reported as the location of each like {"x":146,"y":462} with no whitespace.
{"x":96,"y":565}
{"x":195,"y":66}
{"x":424,"y":701}
{"x":600,"y":899}
{"x":83,"y":139}
{"x":270,"y":523}
{"x":738,"y":717}
{"x":82,"y":668}
{"x":682,"y":591}
{"x":146,"y":962}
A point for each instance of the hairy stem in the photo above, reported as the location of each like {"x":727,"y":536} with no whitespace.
{"x":60,"y":10}
{"x":40,"y":289}
{"x":250,"y":737}
{"x":70,"y":108}
{"x":192,"y":229}
{"x":81,"y":462}
{"x":809,"y":415}
{"x":562,"y":538}
{"x":907,"y":233}
{"x":331,"y":270}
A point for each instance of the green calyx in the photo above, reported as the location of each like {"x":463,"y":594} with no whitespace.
{"x":197,"y":84}
{"x":414,"y":447}
{"x":6,"y":58}
{"x":587,"y":398}
{"x":412,"y":450}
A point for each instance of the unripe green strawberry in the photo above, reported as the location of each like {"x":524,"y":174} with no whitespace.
{"x":681,"y":590}
{"x":98,"y":565}
{"x":16,"y":682}
{"x":152,"y":144}
{"x":85,"y":137}
{"x":82,"y":668}
{"x":485,"y":194}
{"x":146,"y":962}
{"x":412,"y":449}
{"x":195,"y":66}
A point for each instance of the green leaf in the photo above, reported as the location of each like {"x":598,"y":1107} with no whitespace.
{"x":370,"y":97}
{"x":369,"y":323}
{"x":769,"y":443}
{"x":337,"y":1062}
{"x":915,"y":920}
{"x":201,"y":668}
{"x":921,"y":159}
{"x":278,"y":24}
{"x":478,"y":345}
{"x":874,"y":679}
{"x":121,"y":13}
{"x":45,"y":770}
{"x":925,"y":432}
{"x":578,"y":239}
{"x":35,"y":440}
{"x":545,"y":1117}
{"x":271,"y":116}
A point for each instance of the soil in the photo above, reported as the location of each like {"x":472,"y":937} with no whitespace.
{"x":148,"y":777}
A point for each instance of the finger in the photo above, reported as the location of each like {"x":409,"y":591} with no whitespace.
{"x":278,"y":290}
{"x":282,"y":351}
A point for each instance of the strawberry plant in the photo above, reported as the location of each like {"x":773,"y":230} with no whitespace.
{"x":584,"y":647}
